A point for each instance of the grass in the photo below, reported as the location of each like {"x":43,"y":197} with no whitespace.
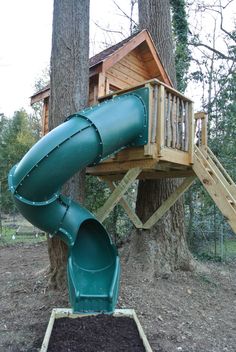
{"x":9,"y":237}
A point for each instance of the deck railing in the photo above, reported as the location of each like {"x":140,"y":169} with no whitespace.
{"x":175,"y":121}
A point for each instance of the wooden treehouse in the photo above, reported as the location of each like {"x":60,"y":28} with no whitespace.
{"x":177,"y":138}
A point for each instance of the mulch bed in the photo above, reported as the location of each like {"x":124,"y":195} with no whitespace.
{"x":101,"y":333}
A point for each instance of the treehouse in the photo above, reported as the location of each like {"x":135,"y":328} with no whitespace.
{"x":175,"y":142}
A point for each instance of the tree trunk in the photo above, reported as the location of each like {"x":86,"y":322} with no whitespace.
{"x":163,"y":248}
{"x":68,"y":93}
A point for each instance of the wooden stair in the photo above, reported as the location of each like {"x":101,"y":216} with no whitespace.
{"x":217,"y":182}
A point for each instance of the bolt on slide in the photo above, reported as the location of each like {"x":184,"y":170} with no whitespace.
{"x":85,"y":138}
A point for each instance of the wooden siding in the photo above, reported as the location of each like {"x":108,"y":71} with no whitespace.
{"x":129,"y":71}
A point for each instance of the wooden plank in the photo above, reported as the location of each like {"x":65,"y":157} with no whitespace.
{"x":177,"y":123}
{"x":173,"y":122}
{"x":160,"y":120}
{"x":47,"y":335}
{"x":95,"y":93}
{"x":183,"y":129}
{"x":191,"y":132}
{"x":101,"y":84}
{"x":134,"y":153}
{"x":129,"y":71}
{"x":169,"y":121}
{"x":154,"y":114}
{"x":169,"y":202}
{"x":40,"y":96}
{"x":120,"y":190}
{"x":108,"y":168}
{"x":117,"y":82}
{"x":148,"y":148}
{"x":124,"y":50}
{"x":186,"y":130}
{"x":129,"y":81}
{"x":129,"y":211}
{"x":204,"y":130}
{"x":151,"y":175}
{"x":175,"y":156}
{"x":45,"y":116}
{"x":135,"y":63}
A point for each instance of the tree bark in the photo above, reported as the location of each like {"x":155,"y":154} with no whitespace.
{"x":163,"y":248}
{"x":69,"y":81}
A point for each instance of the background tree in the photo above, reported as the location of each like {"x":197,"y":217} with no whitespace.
{"x":214,"y":76}
{"x":164,"y":247}
{"x":69,"y":93}
{"x":17,"y":135}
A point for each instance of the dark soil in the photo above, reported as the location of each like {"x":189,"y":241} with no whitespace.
{"x":182,"y":311}
{"x":102,"y":333}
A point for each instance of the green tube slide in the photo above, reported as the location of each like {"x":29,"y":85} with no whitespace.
{"x":85,"y":138}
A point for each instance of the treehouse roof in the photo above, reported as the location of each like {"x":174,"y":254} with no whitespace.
{"x":140,"y":42}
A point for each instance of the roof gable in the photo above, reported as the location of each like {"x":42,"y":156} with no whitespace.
{"x":107,"y":58}
{"x":142,"y":40}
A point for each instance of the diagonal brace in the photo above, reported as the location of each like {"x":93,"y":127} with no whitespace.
{"x":128,"y":209}
{"x":169,"y":202}
{"x":117,"y":194}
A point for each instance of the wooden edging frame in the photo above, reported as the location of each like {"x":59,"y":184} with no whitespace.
{"x":58,"y":313}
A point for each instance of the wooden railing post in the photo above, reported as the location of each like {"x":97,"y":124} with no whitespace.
{"x":203,"y":131}
{"x":191,"y":132}
{"x":161,"y":120}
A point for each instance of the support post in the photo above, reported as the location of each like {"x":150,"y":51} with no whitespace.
{"x":169,"y":202}
{"x":203,"y":117}
{"x":117,"y":194}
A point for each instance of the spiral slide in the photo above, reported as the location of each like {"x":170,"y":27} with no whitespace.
{"x":85,"y":138}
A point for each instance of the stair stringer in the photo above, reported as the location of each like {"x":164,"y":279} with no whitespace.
{"x":217,"y":182}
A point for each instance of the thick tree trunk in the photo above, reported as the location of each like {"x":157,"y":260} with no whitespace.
{"x":163,"y":248}
{"x":68,"y":94}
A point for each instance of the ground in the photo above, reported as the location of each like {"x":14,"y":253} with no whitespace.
{"x":179,"y":312}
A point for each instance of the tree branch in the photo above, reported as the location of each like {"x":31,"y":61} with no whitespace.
{"x":125,"y":14}
{"x":109,"y":30}
{"x":219,"y":53}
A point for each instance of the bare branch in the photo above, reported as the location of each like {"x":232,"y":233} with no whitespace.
{"x":219,"y":53}
{"x":125,"y":14}
{"x":109,"y":30}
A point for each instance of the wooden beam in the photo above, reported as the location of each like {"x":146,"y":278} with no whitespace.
{"x":120,"y":190}
{"x":169,"y":202}
{"x":175,"y":156}
{"x":129,"y":211}
{"x":151,"y":175}
{"x":114,"y":166}
{"x":40,"y":96}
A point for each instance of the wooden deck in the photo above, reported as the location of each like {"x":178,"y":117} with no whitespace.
{"x":169,"y":151}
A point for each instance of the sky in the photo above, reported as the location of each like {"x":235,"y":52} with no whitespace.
{"x":25,"y":43}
